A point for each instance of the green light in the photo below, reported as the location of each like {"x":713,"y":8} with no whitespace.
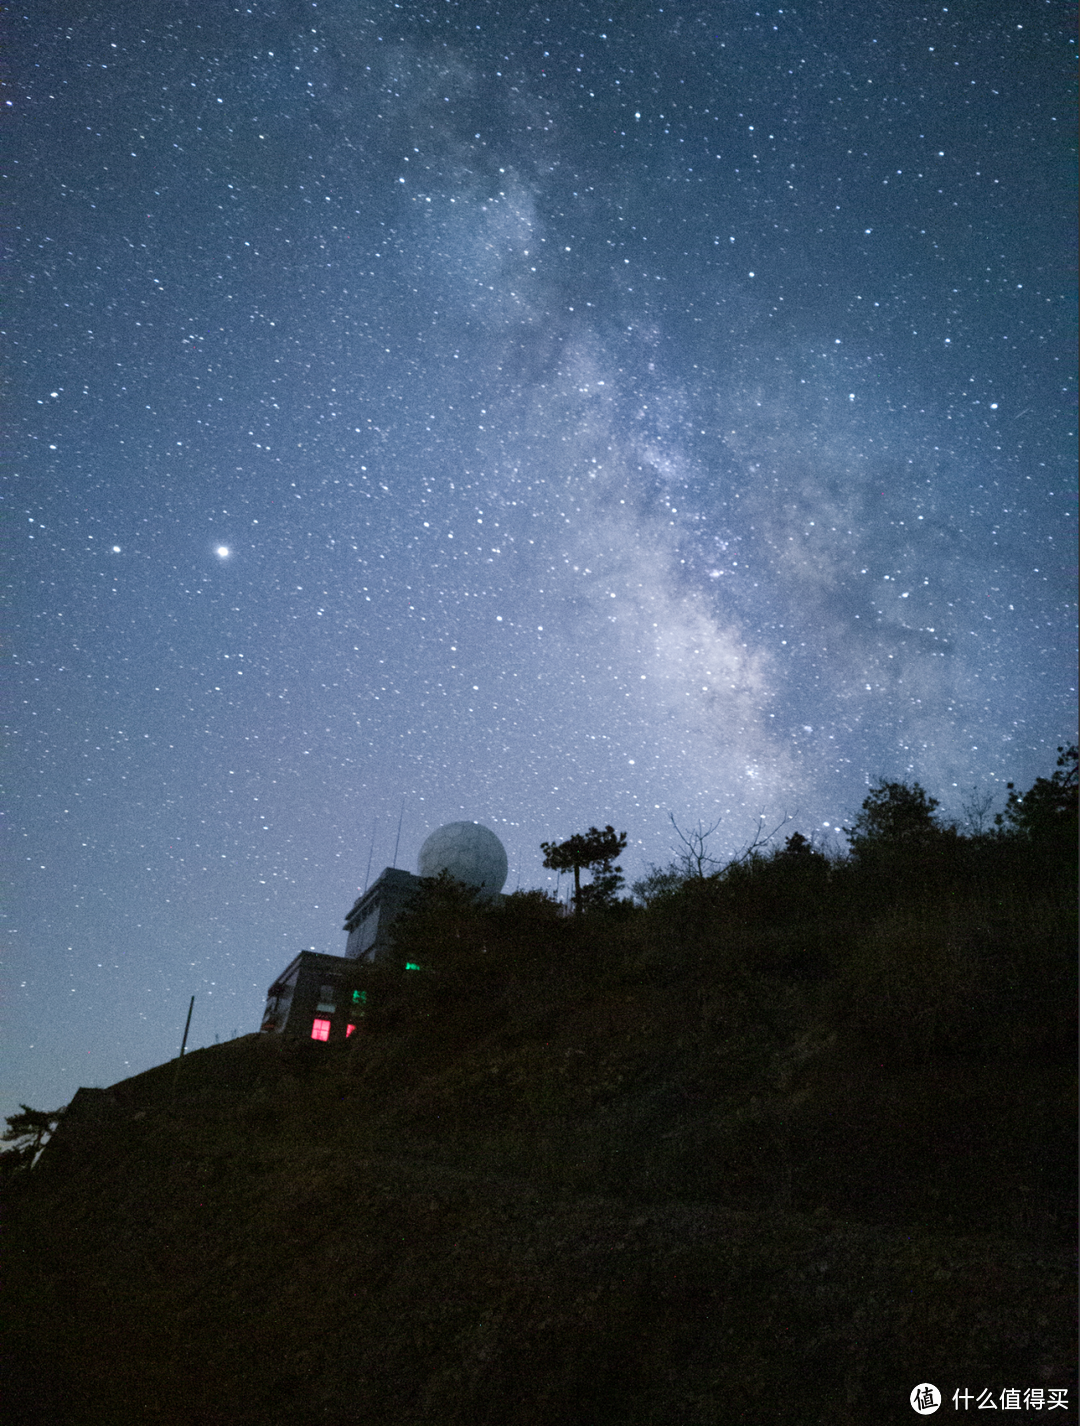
{"x":411,"y":965}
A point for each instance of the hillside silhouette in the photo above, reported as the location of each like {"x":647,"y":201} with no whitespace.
{"x":775,"y":1142}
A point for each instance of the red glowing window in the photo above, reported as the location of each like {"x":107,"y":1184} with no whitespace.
{"x":349,"y":1031}
{"x":320,"y":1029}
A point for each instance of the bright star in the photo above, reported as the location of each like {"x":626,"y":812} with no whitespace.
{"x":222,"y":551}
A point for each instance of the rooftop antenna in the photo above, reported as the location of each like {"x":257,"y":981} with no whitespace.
{"x":399,"y":822}
{"x":371,"y":853}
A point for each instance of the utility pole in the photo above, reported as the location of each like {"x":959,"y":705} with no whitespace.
{"x":183,"y":1046}
{"x":187,"y":1027}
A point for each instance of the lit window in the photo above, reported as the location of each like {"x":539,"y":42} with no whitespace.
{"x":320,"y":1029}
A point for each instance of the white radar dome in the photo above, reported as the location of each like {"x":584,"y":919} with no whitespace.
{"x":467,"y":852}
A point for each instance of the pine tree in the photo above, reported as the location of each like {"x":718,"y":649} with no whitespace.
{"x":594,"y":848}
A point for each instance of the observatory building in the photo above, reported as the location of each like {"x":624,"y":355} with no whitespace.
{"x":307,"y":1000}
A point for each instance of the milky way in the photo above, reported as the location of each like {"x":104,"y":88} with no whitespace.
{"x":458,"y":411}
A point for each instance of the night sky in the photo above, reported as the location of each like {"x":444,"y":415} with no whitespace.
{"x":546,"y":415}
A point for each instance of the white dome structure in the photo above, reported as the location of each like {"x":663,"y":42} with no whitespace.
{"x":468,"y":852}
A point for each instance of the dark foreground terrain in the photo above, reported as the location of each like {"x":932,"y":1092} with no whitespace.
{"x":735,"y":1157}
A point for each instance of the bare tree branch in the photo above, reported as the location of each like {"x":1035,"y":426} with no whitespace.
{"x":761,"y":840}
{"x":694,"y":857}
{"x":976,"y":807}
{"x":694,"y":861}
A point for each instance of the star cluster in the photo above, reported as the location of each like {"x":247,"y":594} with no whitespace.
{"x":531,"y":415}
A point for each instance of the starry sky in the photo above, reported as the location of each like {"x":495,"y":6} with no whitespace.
{"x":547,"y":415}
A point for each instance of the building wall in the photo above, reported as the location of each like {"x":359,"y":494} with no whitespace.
{"x":368,"y":923}
{"x":309,"y":988}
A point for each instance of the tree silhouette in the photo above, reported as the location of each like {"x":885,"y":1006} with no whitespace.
{"x":443,"y":927}
{"x":594,"y":848}
{"x":1049,"y":807}
{"x":798,"y":849}
{"x":894,"y":815}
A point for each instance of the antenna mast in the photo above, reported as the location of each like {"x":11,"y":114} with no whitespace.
{"x":371,"y":853}
{"x":399,"y":822}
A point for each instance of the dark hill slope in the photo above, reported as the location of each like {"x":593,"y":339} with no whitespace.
{"x":656,"y":1171}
